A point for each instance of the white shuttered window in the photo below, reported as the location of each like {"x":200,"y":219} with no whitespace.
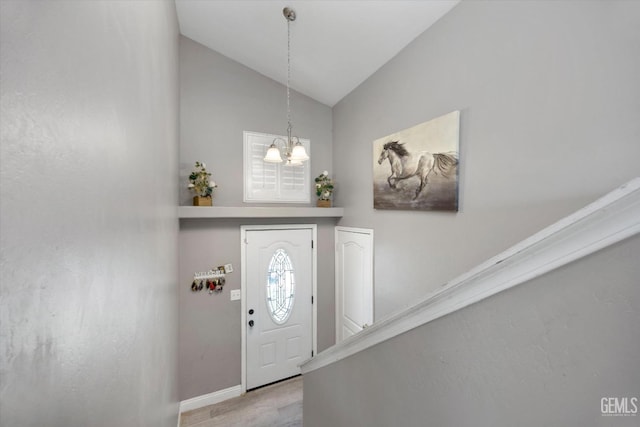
{"x":273,"y":182}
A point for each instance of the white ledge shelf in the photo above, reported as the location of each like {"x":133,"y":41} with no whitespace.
{"x":257,"y":212}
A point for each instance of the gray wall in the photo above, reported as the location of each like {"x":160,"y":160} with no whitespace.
{"x":541,"y":354}
{"x":219,"y":100}
{"x":210,"y":324}
{"x":548,"y":93}
{"x":89,"y":229}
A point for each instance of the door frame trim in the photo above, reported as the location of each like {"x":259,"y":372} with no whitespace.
{"x":243,"y":288}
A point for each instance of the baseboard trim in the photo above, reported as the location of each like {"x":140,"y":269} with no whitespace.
{"x":209,"y":399}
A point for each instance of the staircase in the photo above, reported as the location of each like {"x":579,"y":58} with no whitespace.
{"x":483,"y":350}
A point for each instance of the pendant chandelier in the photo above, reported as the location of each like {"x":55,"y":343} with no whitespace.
{"x":294,"y":150}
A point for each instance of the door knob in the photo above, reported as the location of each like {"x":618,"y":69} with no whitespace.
{"x":251,"y":323}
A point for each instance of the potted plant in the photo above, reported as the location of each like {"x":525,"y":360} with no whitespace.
{"x":201,"y":184}
{"x":324,"y":190}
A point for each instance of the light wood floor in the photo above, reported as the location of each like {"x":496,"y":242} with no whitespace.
{"x":278,"y":405}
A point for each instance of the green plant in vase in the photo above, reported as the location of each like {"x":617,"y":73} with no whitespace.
{"x":201,"y":184}
{"x":324,"y":189}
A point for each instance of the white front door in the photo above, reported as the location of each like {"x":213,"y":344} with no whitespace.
{"x":354,"y":280}
{"x":279,"y":283}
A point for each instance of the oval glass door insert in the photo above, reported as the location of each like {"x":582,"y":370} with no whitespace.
{"x":281,"y":286}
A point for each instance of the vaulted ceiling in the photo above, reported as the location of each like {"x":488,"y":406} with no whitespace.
{"x":335,"y":45}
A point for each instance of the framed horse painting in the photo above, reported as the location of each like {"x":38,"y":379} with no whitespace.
{"x":417,"y":168}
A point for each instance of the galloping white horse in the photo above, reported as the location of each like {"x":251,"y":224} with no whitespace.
{"x":405,"y":165}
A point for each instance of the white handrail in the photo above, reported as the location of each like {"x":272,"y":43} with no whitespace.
{"x":608,"y":220}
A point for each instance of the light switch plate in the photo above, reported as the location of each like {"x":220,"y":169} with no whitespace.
{"x":235,"y":294}
{"x":228,"y":268}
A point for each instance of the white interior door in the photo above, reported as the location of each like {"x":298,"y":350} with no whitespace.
{"x":354,"y":280}
{"x":279,"y":288}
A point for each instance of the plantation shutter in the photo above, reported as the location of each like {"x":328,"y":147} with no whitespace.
{"x":273,"y":182}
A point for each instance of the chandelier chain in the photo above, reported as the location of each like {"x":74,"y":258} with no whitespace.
{"x":294,"y":150}
{"x":288,"y":77}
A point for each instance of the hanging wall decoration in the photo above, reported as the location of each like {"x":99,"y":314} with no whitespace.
{"x":212,"y":280}
{"x":417,"y":168}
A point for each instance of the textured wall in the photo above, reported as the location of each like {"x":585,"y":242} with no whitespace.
{"x":541,"y":354}
{"x":210,"y":325}
{"x":549,"y":98}
{"x":88,"y":214}
{"x":219,"y":99}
